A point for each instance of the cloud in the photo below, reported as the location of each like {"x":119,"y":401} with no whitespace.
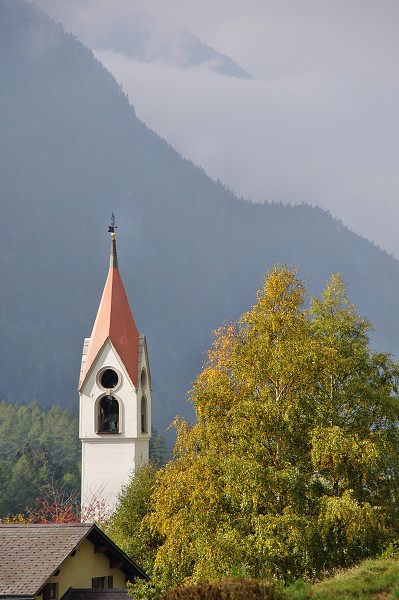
{"x":294,"y":139}
{"x":319,"y":125}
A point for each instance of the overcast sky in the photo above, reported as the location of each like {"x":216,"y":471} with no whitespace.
{"x":319,"y":123}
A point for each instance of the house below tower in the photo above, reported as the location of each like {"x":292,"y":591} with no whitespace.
{"x":63,"y":562}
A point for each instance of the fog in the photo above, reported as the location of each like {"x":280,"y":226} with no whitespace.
{"x":319,"y":121}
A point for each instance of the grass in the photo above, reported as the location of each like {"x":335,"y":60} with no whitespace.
{"x":377,"y":579}
{"x":371,"y":579}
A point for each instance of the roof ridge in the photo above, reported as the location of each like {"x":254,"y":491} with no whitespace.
{"x":24,"y":525}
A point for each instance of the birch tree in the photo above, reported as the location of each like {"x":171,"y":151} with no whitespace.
{"x":291,"y":468}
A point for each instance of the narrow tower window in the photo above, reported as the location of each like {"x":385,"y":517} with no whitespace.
{"x":143,"y":379}
{"x":144,"y":425}
{"x":108,"y":415}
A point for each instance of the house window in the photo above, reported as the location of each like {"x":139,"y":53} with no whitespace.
{"x":144,"y":424}
{"x":108,"y":415}
{"x":98,"y":583}
{"x":102,"y":583}
{"x":50,"y":591}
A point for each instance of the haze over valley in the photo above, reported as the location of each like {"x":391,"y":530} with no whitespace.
{"x":315,"y":123}
{"x":191,"y":253}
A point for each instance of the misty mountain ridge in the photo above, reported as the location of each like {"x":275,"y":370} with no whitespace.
{"x":186,"y":50}
{"x":179,"y":49}
{"x":191,"y":254}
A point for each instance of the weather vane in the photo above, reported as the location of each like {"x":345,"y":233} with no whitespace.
{"x":112,"y":227}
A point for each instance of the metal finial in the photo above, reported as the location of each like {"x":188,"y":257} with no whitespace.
{"x":112,"y":227}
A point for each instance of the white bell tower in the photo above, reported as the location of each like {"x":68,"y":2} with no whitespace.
{"x":115,"y":398}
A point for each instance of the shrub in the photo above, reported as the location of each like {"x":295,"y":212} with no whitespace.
{"x":230,"y":589}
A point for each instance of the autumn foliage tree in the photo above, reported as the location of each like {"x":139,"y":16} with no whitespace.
{"x":292,"y":466}
{"x":55,"y":505}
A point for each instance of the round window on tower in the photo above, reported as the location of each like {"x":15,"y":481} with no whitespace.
{"x":109,"y":379}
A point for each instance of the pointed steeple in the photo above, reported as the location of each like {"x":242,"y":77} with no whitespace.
{"x":114,"y":322}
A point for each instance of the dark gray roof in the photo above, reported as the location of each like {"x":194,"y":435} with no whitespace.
{"x":76,"y":594}
{"x":30,"y":554}
{"x":16,"y":597}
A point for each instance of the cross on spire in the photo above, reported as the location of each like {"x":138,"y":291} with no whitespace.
{"x":112,"y":227}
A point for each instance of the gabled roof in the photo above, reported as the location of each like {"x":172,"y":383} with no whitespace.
{"x":115,"y":322}
{"x":30,"y":554}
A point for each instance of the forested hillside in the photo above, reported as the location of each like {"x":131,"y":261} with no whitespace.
{"x":40,"y":455}
{"x":39,"y":449}
{"x":190,"y":252}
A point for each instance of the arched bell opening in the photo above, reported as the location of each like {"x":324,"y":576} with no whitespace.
{"x":108,"y":415}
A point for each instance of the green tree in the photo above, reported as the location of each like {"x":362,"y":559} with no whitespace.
{"x":291,"y":467}
{"x":126,"y":527}
{"x":38,"y":448}
{"x":159,"y":452}
{"x":354,"y":439}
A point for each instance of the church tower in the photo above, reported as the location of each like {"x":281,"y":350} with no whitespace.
{"x":115,"y":398}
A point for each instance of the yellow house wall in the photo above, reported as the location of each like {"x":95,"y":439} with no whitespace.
{"x":77,"y":571}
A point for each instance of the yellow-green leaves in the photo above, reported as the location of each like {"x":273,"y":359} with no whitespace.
{"x":340,"y":456}
{"x":349,"y":527}
{"x":291,"y":467}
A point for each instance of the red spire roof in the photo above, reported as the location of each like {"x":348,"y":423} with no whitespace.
{"x":115,"y":322}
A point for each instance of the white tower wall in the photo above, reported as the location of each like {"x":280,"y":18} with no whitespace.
{"x":110,"y":459}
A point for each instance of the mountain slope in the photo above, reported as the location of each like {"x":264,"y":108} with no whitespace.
{"x":190,"y":253}
{"x":180,"y":49}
